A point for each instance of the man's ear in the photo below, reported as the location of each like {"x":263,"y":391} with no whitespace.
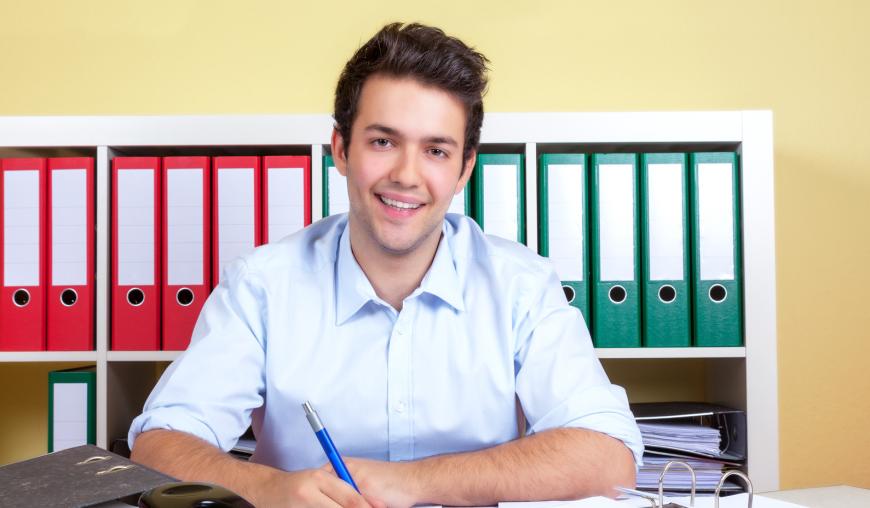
{"x":339,"y":155}
{"x":467,"y":168}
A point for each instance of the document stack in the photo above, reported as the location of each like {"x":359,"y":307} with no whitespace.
{"x":710,"y":438}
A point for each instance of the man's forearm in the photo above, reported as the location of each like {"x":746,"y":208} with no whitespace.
{"x":189,"y":458}
{"x":556,"y":464}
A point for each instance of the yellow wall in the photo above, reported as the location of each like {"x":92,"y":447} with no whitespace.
{"x":805,"y":60}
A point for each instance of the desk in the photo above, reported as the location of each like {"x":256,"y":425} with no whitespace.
{"x":825,"y":497}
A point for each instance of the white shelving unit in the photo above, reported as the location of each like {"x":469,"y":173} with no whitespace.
{"x":744,"y":377}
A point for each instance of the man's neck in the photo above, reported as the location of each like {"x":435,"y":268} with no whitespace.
{"x":393,"y":276}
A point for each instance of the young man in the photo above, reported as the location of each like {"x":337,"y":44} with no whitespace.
{"x":412,"y":334}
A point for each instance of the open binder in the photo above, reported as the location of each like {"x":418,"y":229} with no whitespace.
{"x":730,"y":422}
{"x":80,"y":476}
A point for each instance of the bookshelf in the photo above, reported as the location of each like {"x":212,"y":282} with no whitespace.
{"x":743,"y":377}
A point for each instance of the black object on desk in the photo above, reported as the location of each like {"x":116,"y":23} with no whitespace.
{"x":80,"y":476}
{"x":191,"y":495}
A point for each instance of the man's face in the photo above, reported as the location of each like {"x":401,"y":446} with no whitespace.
{"x":403,"y":164}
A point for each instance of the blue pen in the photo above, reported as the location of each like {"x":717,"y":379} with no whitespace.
{"x":328,"y":447}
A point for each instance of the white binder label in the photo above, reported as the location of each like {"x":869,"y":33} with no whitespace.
{"x":136,"y":228}
{"x":665,"y":221}
{"x":457,"y":205}
{"x":565,"y":219}
{"x":286,"y":202}
{"x":716,"y":221}
{"x":184,"y":227}
{"x":236,"y":209}
{"x":500,"y":200}
{"x":70,"y":415}
{"x":616,"y":221}
{"x":69,"y":227}
{"x":338,"y":200}
{"x":21,"y":228}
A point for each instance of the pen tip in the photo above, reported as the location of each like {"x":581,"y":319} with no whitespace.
{"x":307,"y":407}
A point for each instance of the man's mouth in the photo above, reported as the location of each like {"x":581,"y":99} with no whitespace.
{"x":399,"y":204}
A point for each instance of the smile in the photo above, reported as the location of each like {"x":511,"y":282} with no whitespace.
{"x":398,"y":204}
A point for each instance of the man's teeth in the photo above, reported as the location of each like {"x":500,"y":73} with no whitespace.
{"x":399,"y":204}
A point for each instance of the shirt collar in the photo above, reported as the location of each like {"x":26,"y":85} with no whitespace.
{"x":353,"y":289}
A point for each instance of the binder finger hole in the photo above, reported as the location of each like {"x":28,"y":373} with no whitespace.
{"x":667,"y":293}
{"x":68,"y":297}
{"x":184,"y":297}
{"x":718,"y":293}
{"x":617,"y":294}
{"x":569,"y":293}
{"x":135,"y":297}
{"x":21,"y":297}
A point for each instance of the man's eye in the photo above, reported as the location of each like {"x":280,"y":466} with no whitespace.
{"x":437,"y":152}
{"x":381,"y":142}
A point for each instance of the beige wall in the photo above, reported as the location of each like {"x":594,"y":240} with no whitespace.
{"x":805,"y":60}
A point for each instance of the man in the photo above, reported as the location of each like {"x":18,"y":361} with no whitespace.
{"x":411,"y":334}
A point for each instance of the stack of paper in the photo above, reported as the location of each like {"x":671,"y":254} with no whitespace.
{"x":683,"y":437}
{"x":678,"y":479}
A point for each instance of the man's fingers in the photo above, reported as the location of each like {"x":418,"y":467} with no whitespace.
{"x":340,"y":491}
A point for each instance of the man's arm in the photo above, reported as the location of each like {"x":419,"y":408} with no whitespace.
{"x":189,"y":458}
{"x":568,"y":463}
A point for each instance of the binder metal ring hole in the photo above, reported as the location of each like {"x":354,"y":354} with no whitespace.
{"x":21,"y":297}
{"x":184,"y":297}
{"x":569,"y":293}
{"x":90,"y":460}
{"x":718,"y":293}
{"x":135,"y":297}
{"x":115,"y":469}
{"x":667,"y":293}
{"x":186,"y":489}
{"x":617,"y":294}
{"x":69,"y":297}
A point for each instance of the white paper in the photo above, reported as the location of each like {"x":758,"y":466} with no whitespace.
{"x":136,"y":228}
{"x":565,"y":219}
{"x":184,"y":227}
{"x":21,"y":210}
{"x":69,"y":227}
{"x":589,"y":502}
{"x":737,"y":501}
{"x":338,"y":200}
{"x":286,"y":194}
{"x":500,"y":200}
{"x":715,"y":221}
{"x":616,"y":221}
{"x":665,"y":219}
{"x":70,"y":415}
{"x":236,"y":210}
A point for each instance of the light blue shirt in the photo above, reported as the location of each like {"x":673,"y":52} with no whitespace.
{"x":298,"y":320}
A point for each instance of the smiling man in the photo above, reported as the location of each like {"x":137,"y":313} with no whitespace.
{"x":412,"y":333}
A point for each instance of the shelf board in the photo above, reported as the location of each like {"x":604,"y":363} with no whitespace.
{"x":48,"y":356}
{"x":142,"y":356}
{"x":671,"y":352}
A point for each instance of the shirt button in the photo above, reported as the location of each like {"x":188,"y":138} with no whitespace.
{"x":400,"y":407}
{"x":400,"y":331}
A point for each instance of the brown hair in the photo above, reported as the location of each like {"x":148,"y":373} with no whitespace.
{"x":425,"y":54}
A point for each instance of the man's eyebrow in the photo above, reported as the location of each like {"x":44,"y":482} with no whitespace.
{"x":389,"y":131}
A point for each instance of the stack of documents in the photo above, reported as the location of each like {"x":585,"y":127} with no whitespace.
{"x":678,"y":479}
{"x":683,"y":437}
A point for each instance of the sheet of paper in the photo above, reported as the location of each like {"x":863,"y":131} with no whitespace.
{"x":737,"y":501}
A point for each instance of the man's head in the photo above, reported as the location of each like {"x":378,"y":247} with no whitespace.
{"x":408,"y":112}
{"x":422,"y":53}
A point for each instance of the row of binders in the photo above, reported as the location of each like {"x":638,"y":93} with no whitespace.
{"x":647,"y":245}
{"x":176,"y":221}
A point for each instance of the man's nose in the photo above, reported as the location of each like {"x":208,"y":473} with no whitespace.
{"x":406,"y":170}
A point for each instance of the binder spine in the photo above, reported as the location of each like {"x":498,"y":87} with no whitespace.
{"x":718,"y":298}
{"x":615,"y":299}
{"x":516,"y":198}
{"x":666,"y":294}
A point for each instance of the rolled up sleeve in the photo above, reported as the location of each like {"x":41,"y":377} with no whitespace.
{"x":560,"y":381}
{"x":212,"y":388}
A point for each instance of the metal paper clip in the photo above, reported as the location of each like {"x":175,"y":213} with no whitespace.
{"x":90,"y":460}
{"x":733,"y":472}
{"x":662,"y":485}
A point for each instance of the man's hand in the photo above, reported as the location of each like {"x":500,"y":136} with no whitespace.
{"x":313,"y":488}
{"x":385,"y":483}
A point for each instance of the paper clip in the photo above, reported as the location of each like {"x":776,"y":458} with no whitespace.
{"x":733,"y":472}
